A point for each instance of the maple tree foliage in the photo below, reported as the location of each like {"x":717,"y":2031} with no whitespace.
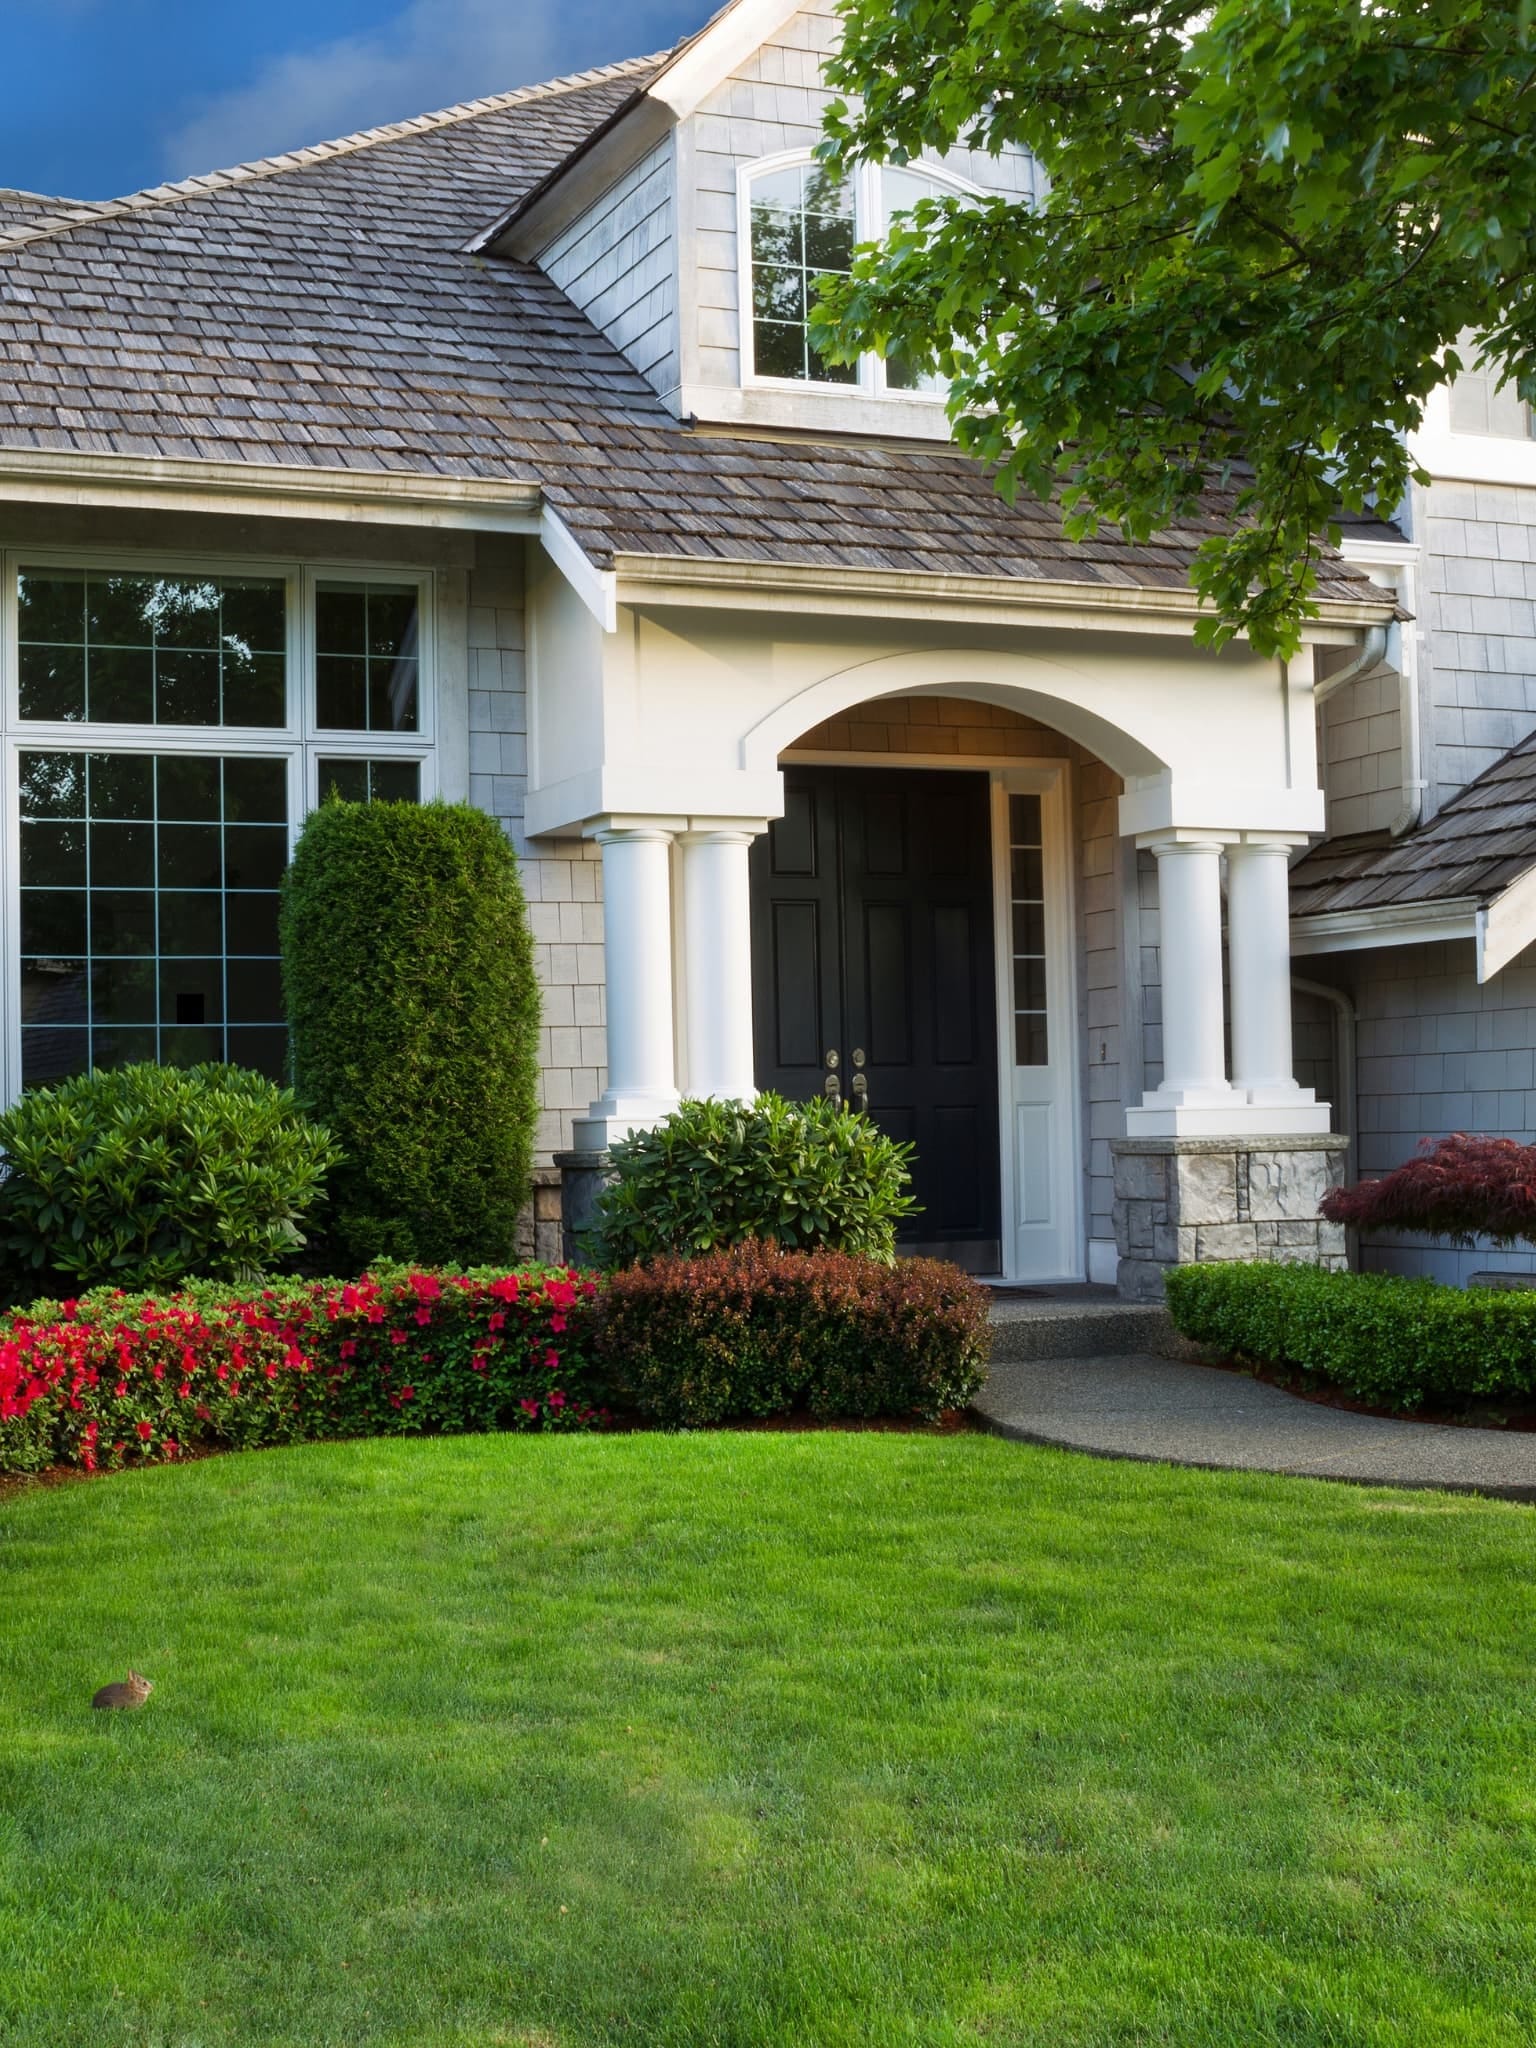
{"x":1262,"y":234}
{"x":1459,"y":1187}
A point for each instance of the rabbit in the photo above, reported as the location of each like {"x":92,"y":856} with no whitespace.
{"x":131,"y":1691}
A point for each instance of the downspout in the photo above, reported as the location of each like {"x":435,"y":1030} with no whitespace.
{"x":1375,"y":649}
{"x":1373,"y":652}
{"x":1345,"y":1042}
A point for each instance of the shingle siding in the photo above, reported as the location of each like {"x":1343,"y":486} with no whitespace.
{"x":775,"y":102}
{"x":1360,"y":753}
{"x":618,"y":263}
{"x":562,"y":878}
{"x":1479,"y":601}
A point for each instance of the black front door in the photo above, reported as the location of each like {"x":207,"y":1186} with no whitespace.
{"x":872,"y":963}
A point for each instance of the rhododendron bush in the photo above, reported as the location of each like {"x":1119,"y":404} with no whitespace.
{"x":115,"y":1379}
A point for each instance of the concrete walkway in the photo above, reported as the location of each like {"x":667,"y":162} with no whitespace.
{"x":1135,"y":1405}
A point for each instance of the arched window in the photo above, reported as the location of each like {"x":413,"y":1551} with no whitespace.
{"x":799,"y":222}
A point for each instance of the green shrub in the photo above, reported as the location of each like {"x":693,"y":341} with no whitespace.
{"x":414,"y":1012}
{"x":116,"y":1379}
{"x":801,"y":1174}
{"x":752,"y":1330}
{"x":1393,"y":1342}
{"x":144,"y":1175}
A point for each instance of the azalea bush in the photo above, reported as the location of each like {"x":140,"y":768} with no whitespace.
{"x":754,"y":1330}
{"x":1395,"y":1343}
{"x":141,"y":1176}
{"x":800,"y":1174}
{"x":114,"y":1379}
{"x":1461,"y":1188}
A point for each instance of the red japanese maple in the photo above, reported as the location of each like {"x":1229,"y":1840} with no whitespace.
{"x":1460,"y":1187}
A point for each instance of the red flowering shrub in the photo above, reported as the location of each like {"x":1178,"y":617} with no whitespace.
{"x":1460,"y":1187}
{"x":117,"y":1379}
{"x":753,"y":1330}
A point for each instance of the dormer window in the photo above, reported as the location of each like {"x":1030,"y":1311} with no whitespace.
{"x":799,"y":222}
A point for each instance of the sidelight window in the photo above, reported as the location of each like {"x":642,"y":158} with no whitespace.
{"x":1026,"y":861}
{"x":165,"y":727}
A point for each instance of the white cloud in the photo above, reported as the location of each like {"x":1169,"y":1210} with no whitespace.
{"x":432,"y":54}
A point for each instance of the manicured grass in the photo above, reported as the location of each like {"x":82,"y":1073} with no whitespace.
{"x":830,"y":1741}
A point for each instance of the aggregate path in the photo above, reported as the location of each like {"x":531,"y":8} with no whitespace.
{"x":1161,"y":1410}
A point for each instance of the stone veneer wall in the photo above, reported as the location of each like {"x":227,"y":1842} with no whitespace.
{"x":1178,"y":1200}
{"x":988,"y":733}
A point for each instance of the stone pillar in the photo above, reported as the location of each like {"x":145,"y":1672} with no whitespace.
{"x":1179,"y":1200}
{"x":637,"y":965}
{"x":1259,"y":955}
{"x":717,"y":960}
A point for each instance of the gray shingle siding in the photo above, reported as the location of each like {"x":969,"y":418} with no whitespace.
{"x":1479,"y":602}
{"x":618,"y":263}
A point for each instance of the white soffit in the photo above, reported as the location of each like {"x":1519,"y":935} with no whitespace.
{"x":716,"y":51}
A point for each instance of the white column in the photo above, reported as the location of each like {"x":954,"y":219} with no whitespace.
{"x":1189,"y":939}
{"x":1259,"y":958}
{"x":637,"y":966}
{"x":1259,"y":948}
{"x":717,"y":960}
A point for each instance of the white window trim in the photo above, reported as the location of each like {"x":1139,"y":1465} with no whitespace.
{"x":867,"y":227}
{"x":301,"y":742}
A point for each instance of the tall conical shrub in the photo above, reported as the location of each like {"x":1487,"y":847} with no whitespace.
{"x":413,"y":1012}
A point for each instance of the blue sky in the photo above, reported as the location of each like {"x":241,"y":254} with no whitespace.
{"x":101,"y":97}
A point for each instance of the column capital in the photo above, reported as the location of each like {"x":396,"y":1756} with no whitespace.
{"x":1182,"y":839}
{"x":1271,"y":842}
{"x":723,"y":831}
{"x":633,"y":831}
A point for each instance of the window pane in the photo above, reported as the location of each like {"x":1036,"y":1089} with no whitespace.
{"x":366,"y":637}
{"x":1031,"y":1047}
{"x":115,"y":972}
{"x":361,"y":782}
{"x":153,"y":649}
{"x":802,"y":227}
{"x":51,"y":681}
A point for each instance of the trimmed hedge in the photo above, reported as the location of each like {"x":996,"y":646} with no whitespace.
{"x":1393,"y":1342}
{"x":801,"y":1174}
{"x":140,"y":1176}
{"x":115,"y":1379}
{"x":414,"y":1011}
{"x":756,"y":1331}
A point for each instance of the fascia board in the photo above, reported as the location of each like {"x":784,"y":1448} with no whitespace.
{"x":1392,"y":924}
{"x":597,"y":588}
{"x":720,"y":48}
{"x":528,"y":228}
{"x":718,"y":583}
{"x":1507,"y":925}
{"x":45,"y":476}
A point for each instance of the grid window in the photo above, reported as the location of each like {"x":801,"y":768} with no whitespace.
{"x":367,"y":657}
{"x":370,"y":782}
{"x":123,"y":648}
{"x":1026,"y":861}
{"x":801,"y":228}
{"x":149,"y":895}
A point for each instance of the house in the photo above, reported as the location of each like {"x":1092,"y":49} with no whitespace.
{"x":486,"y":455}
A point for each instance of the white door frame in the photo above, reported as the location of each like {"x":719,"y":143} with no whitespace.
{"x":1051,"y":779}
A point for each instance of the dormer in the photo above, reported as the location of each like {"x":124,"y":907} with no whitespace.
{"x":691,"y":226}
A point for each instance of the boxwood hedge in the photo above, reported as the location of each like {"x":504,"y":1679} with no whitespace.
{"x":1393,"y":1342}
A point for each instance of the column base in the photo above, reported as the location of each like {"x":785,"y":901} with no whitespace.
{"x":1184,"y":1198}
{"x":1237,"y":1113}
{"x":617,"y":1116}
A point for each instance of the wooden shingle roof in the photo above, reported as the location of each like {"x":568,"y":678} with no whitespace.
{"x":323,"y":309}
{"x":1483,"y":840}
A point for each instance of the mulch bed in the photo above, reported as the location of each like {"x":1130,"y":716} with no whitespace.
{"x":1328,"y":1396}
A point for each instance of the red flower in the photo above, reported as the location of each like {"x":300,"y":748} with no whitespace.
{"x":557,"y":1324}
{"x":529,"y":1407}
{"x":146,"y":1430}
{"x":397,"y":1336}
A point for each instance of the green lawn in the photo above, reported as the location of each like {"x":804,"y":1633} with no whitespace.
{"x":791,"y":1739}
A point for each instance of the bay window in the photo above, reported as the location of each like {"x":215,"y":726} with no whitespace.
{"x":165,"y":728}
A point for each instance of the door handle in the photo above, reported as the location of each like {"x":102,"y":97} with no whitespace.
{"x":860,"y":1081}
{"x":831,"y":1086}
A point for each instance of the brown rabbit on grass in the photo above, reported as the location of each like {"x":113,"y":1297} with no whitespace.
{"x":131,"y":1691}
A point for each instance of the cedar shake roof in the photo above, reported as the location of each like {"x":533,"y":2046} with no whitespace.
{"x":322,"y":308}
{"x":1481,"y":842}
